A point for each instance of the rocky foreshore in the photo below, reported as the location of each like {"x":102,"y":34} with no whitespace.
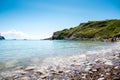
{"x":95,"y":66}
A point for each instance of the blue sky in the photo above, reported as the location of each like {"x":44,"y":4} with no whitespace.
{"x":37,"y":19}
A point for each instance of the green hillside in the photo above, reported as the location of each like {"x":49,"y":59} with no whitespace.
{"x":90,"y":30}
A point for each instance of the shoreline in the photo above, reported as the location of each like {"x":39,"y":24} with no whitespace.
{"x":103,"y":65}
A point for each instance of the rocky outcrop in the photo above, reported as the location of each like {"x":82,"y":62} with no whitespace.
{"x":48,"y":38}
{"x":2,"y":37}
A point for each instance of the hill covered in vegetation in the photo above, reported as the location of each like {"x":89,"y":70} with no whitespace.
{"x":90,"y":30}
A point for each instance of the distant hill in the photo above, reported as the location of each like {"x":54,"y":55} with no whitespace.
{"x":90,"y":30}
{"x":2,"y":37}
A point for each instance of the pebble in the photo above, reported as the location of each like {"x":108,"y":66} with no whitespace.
{"x":67,"y":71}
{"x":38,"y":71}
{"x":43,"y":77}
{"x":108,"y":63}
{"x":101,"y":78}
{"x":29,"y":68}
{"x":108,"y":75}
{"x":88,"y":68}
{"x":23,"y":72}
{"x":77,"y":64}
{"x":60,"y":71}
{"x":116,"y":67}
{"x":84,"y":76}
{"x":94,"y":70}
{"x":20,"y":67}
{"x":72,"y":64}
{"x":90,"y":64}
{"x":90,"y":72}
{"x":97,"y":60}
{"x":116,"y":78}
{"x":118,"y":55}
{"x":102,"y":75}
{"x":54,"y":73}
{"x":25,"y":78}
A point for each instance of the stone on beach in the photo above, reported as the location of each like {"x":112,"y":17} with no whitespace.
{"x":39,"y":72}
{"x":94,"y":70}
{"x":67,"y":71}
{"x":84,"y":76}
{"x":101,"y":78}
{"x":60,"y":71}
{"x":20,"y":67}
{"x":117,"y":55}
{"x":43,"y":76}
{"x":108,"y":63}
{"x":97,"y":60}
{"x":23,"y":72}
{"x":116,"y":67}
{"x":29,"y":68}
{"x":24,"y":78}
{"x":88,"y":68}
{"x":108,"y":75}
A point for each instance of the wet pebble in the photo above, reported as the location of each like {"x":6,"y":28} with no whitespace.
{"x":116,"y":78}
{"x":102,"y":78}
{"x":94,"y":70}
{"x":88,"y":68}
{"x":116,"y":67}
{"x":25,"y":78}
{"x":23,"y":72}
{"x":84,"y":76}
{"x":29,"y":68}
{"x":43,"y":77}
{"x":108,"y":63}
{"x":20,"y":67}
{"x":97,"y":60}
{"x":108,"y":75}
{"x":39,"y":72}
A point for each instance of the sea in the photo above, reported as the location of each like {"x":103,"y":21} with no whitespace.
{"x":33,"y":52}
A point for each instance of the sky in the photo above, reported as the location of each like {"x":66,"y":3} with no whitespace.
{"x":38,"y":19}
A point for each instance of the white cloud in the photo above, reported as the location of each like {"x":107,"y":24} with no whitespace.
{"x":14,"y":34}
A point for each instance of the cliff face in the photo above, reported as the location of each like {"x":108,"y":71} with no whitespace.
{"x":2,"y":37}
{"x":90,"y":30}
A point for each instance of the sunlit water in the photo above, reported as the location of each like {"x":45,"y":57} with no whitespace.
{"x":29,"y":52}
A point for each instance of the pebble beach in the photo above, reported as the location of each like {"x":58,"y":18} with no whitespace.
{"x":103,"y":65}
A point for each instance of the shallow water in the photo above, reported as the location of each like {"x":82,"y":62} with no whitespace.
{"x":31,"y":52}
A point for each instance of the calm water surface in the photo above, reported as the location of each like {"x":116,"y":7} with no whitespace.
{"x":21,"y":52}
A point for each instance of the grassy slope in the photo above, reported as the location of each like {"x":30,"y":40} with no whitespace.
{"x":91,"y":29}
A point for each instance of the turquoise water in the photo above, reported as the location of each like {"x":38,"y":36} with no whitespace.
{"x":21,"y":52}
